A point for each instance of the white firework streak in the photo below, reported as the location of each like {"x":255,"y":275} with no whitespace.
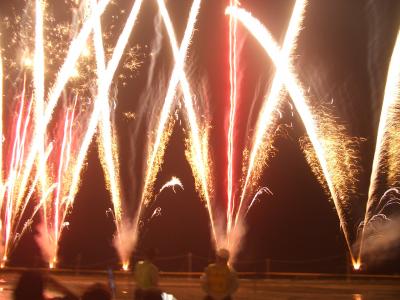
{"x":175,"y":181}
{"x":389,"y":117}
{"x":295,"y":90}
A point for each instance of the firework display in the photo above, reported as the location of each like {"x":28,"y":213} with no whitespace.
{"x":65,"y":98}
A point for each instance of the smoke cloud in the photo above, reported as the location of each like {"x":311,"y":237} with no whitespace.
{"x":381,"y":238}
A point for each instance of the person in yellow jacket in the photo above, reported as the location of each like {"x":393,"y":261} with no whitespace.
{"x":146,"y":278}
{"x":219,"y":280}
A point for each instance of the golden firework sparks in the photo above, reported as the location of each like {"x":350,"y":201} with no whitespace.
{"x":386,"y":148}
{"x":300,"y":101}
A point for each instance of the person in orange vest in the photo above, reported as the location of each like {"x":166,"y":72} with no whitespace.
{"x":219,"y":280}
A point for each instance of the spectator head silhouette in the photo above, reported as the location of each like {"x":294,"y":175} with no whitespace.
{"x":29,"y":286}
{"x":97,"y":291}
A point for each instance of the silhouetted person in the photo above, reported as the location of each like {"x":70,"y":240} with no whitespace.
{"x":146,"y":278}
{"x":220,"y":281}
{"x":97,"y":291}
{"x":31,"y":286}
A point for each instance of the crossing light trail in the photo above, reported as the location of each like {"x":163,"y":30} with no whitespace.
{"x":107,"y":144}
{"x":55,"y":206}
{"x":153,"y":163}
{"x":99,"y":114}
{"x":299,"y":99}
{"x":198,"y":159}
{"x":268,"y":114}
{"x":262,"y":141}
{"x":57,"y":198}
{"x":66,"y":72}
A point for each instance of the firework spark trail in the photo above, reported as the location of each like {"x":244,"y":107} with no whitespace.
{"x":177,"y":74}
{"x":76,"y":48}
{"x":66,"y":71}
{"x":263,"y":190}
{"x":107,"y":80}
{"x":174,"y":182}
{"x":389,"y":116}
{"x":26,"y":151}
{"x":101,"y":107}
{"x":57,"y":210}
{"x":1,"y":125}
{"x":12,"y":210}
{"x":232,"y":112}
{"x":9,"y":208}
{"x":64,"y":160}
{"x":267,"y":117}
{"x":39,"y":70}
{"x":107,"y":145}
{"x":295,"y":90}
{"x":38,"y":79}
{"x":200,"y":164}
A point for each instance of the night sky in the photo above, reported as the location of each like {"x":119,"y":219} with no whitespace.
{"x":343,"y":54}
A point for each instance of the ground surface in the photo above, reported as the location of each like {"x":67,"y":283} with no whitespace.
{"x":280,"y":289}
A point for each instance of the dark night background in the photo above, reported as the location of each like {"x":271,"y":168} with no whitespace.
{"x":343,"y":54}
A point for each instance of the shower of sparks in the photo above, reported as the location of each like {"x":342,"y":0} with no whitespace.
{"x":101,"y":113}
{"x":174,"y":182}
{"x":11,"y":211}
{"x":232,"y":112}
{"x":197,"y":158}
{"x":325,"y":158}
{"x":55,"y":203}
{"x":58,"y":164}
{"x":65,"y":73}
{"x":197,"y":142}
{"x":158,"y":146}
{"x":60,"y":206}
{"x":31,"y":163}
{"x":387,"y":148}
{"x":268,"y":117}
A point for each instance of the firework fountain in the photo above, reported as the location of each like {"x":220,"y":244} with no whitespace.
{"x":48,"y":139}
{"x":232,"y":112}
{"x":266,"y":121}
{"x":324,"y":140}
{"x":197,"y":139}
{"x":385,"y":162}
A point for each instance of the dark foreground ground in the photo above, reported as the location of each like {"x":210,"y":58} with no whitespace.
{"x":294,"y":288}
